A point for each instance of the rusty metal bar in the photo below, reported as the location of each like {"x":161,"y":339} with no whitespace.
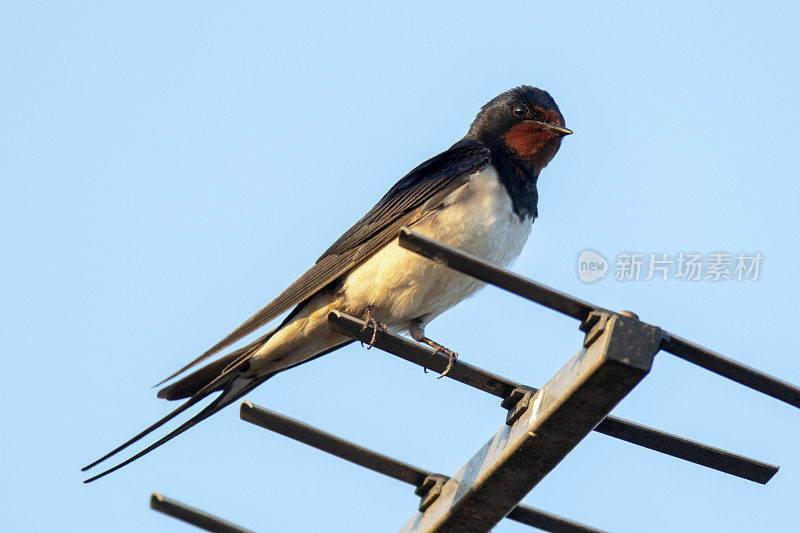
{"x":733,"y":370}
{"x":641,"y":435}
{"x":193,"y":516}
{"x":388,"y":466}
{"x":546,"y":521}
{"x":327,"y":442}
{"x":580,"y":310}
{"x":421,"y":355}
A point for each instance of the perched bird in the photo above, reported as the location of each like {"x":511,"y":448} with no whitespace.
{"x":479,"y":195}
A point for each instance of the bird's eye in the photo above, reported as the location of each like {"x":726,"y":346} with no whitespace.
{"x":521,"y":110}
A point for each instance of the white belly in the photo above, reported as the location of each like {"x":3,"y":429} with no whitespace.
{"x":400,"y":286}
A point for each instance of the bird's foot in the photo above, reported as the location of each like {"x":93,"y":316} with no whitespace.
{"x":371,"y":322}
{"x":438,"y":348}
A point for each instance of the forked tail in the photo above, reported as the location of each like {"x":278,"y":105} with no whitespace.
{"x":235,"y":386}
{"x":224,"y":374}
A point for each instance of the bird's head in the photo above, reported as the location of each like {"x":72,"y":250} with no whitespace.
{"x":525,"y":123}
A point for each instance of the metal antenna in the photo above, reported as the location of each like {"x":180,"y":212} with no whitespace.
{"x":427,"y":483}
{"x":503,"y":388}
{"x":541,"y":426}
{"x":581,"y":310}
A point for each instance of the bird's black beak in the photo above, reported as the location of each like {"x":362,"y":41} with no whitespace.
{"x":555,"y":128}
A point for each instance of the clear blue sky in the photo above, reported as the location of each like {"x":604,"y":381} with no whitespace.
{"x":169,"y":167}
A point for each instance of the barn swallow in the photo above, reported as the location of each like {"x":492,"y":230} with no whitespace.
{"x":479,"y":195}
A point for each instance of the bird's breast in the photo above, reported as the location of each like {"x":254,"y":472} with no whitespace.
{"x":479,"y":218}
{"x":400,"y":285}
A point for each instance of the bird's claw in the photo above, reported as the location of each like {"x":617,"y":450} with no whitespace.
{"x":438,"y":348}
{"x":371,"y":322}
